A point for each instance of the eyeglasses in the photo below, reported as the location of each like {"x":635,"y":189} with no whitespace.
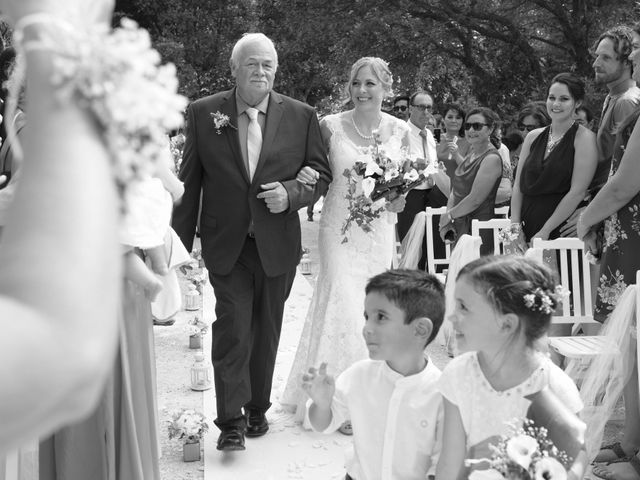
{"x":477,"y":126}
{"x":400,"y":108}
{"x":522,"y":127}
{"x":423,"y":107}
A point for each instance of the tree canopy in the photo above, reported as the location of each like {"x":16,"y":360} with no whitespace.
{"x":498,"y":53}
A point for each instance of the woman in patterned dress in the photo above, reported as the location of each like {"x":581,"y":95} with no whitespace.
{"x":611,"y":223}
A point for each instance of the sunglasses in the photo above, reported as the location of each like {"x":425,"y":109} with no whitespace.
{"x":400,"y":108}
{"x":522,"y":127}
{"x":477,"y":126}
{"x":423,"y":107}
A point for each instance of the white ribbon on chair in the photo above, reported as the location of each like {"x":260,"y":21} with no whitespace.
{"x":466,"y":250}
{"x":608,"y":374}
{"x":411,"y":248}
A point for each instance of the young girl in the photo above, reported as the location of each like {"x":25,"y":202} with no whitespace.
{"x":503,"y":306}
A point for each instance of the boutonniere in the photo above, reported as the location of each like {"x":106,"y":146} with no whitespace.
{"x":220,"y":120}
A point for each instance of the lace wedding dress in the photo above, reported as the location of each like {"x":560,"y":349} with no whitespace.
{"x":332,"y":331}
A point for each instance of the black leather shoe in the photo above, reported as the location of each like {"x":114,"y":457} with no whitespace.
{"x":257,"y":423}
{"x":231,"y":438}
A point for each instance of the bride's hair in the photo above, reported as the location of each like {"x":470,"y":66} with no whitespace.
{"x":380,"y":69}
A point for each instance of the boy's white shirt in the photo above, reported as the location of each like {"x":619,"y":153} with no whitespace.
{"x":397,"y":420}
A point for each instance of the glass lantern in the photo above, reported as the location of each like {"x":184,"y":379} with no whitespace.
{"x":201,"y":373}
{"x":192,"y":299}
{"x":305,"y":264}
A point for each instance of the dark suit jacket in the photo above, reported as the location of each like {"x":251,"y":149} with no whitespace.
{"x":212,"y":163}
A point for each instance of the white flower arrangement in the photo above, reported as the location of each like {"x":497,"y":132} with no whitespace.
{"x":380,"y":177}
{"x":187,"y":425}
{"x":117,"y":76}
{"x":220,"y":120}
{"x":527,"y":454}
{"x":545,"y":300}
{"x":196,"y":326}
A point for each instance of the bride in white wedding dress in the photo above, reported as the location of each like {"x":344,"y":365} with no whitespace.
{"x":332,"y":331}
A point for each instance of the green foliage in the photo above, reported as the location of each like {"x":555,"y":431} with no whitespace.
{"x":499,"y":53}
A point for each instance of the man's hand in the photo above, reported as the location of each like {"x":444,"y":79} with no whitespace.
{"x":319,"y":386}
{"x":308,"y":176}
{"x":397,"y":204}
{"x":569,"y":229}
{"x":275,"y":196}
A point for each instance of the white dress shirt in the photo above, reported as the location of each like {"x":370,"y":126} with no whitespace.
{"x":397,"y":420}
{"x":420,"y":147}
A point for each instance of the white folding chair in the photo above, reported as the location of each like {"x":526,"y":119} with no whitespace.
{"x":577,"y":309}
{"x":502,"y":212}
{"x":494,"y":224}
{"x":433,"y":262}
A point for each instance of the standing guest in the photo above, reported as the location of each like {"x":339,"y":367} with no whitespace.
{"x":433,"y":192}
{"x":431,"y":123}
{"x":503,"y":306}
{"x":452,"y":147}
{"x":513,"y":141}
{"x":401,"y":107}
{"x":612,"y":68}
{"x":584,"y":116}
{"x":391,"y":397}
{"x":556,"y":166}
{"x":503,"y":196}
{"x":616,"y":206}
{"x":333,"y":326}
{"x":476,"y":181}
{"x":532,"y":116}
{"x":249,"y":224}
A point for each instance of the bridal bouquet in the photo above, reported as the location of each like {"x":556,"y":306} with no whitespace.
{"x":380,"y":178}
{"x":526,"y":454}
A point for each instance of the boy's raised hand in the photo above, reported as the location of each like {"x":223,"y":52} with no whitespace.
{"x":319,"y":386}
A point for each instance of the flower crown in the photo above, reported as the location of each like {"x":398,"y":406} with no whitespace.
{"x":545,"y":300}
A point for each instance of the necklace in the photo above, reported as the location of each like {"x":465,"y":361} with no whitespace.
{"x":362,"y":135}
{"x":551,"y":143}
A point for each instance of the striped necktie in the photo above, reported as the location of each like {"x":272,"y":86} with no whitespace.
{"x":254,"y":140}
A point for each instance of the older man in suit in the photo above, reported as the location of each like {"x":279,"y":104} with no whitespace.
{"x":243,"y":150}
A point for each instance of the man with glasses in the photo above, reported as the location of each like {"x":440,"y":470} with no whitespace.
{"x":401,"y":107}
{"x":422,"y":148}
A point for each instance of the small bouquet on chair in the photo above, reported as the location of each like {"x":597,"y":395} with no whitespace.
{"x":375,"y":177}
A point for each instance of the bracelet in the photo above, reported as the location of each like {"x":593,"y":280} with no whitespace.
{"x":116,"y":75}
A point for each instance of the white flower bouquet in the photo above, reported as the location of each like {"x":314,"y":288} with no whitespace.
{"x":527,"y":454}
{"x":380,"y":177}
{"x":187,"y":425}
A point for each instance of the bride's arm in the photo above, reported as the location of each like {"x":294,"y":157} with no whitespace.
{"x":60,"y":275}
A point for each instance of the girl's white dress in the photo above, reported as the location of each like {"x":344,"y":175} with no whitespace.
{"x":485,"y":411}
{"x":332,"y":331}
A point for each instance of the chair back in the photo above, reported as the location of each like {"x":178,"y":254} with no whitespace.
{"x":574,"y":271}
{"x":433,"y":215}
{"x":502,"y":212}
{"x":494,"y":224}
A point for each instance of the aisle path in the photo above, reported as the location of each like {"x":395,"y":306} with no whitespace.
{"x":286,"y":451}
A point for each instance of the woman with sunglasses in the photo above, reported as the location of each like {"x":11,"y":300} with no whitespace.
{"x":476,"y":180}
{"x":452,"y":146}
{"x":557,"y":164}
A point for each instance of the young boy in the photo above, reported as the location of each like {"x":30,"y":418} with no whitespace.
{"x":390,"y":398}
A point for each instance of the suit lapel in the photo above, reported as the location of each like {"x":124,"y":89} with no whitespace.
{"x":274,"y":115}
{"x":230,"y":109}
